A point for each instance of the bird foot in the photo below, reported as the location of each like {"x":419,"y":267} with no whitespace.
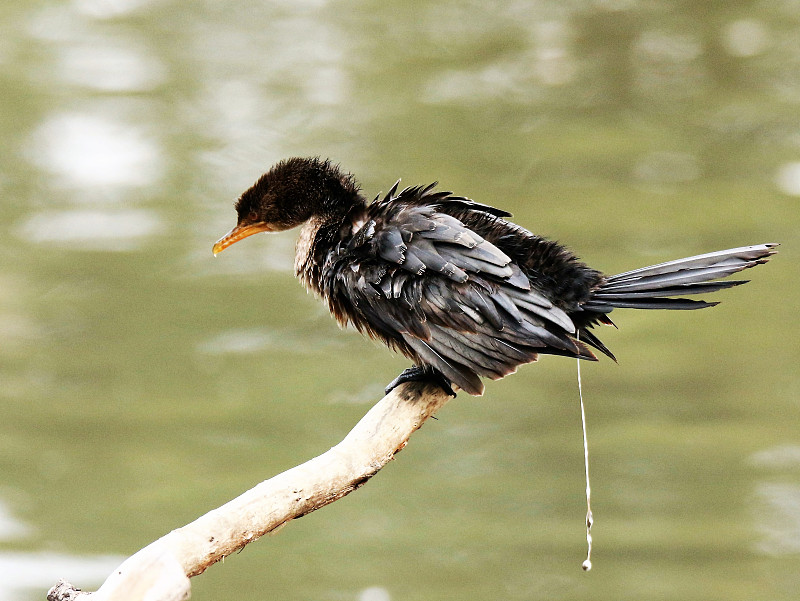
{"x":422,"y":374}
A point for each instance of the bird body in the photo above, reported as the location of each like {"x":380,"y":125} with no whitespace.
{"x":451,"y":283}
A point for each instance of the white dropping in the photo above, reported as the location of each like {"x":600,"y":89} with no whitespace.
{"x":586,"y":565}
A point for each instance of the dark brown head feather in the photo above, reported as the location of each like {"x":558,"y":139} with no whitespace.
{"x":296,"y":189}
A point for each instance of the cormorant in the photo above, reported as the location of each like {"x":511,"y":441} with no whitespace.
{"x":451,"y":283}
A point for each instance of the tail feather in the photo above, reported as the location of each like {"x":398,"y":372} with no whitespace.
{"x":743,"y":255}
{"x":653,"y":303}
{"x":655,"y":287}
{"x":683,"y":277}
{"x":697,"y":288}
{"x":589,"y":338}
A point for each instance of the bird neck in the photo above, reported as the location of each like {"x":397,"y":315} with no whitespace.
{"x":327,"y":193}
{"x":335,"y":219}
{"x":336,"y":204}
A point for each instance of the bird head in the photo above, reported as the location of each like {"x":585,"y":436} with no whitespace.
{"x":281,"y":199}
{"x":289,"y":194}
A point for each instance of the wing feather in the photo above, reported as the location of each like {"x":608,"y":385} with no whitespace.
{"x":428,"y":285}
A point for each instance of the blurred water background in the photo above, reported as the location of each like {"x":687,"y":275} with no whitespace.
{"x":143,"y":382}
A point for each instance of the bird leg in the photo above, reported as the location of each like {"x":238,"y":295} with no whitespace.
{"x":424,"y":373}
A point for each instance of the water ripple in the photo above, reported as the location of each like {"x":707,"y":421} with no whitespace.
{"x":10,"y":527}
{"x":779,"y":518}
{"x":91,"y":229}
{"x":108,"y":9}
{"x":21,"y":573}
{"x":86,"y":150}
{"x":108,"y":66}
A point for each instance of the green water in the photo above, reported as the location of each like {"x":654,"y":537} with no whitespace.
{"x":143,"y":382}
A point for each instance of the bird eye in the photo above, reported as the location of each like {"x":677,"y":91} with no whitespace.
{"x":252,"y":216}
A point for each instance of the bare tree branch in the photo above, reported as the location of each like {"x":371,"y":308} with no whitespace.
{"x":161,"y":571}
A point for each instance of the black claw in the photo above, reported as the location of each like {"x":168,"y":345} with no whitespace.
{"x":422,"y":374}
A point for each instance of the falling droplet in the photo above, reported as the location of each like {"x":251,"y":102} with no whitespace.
{"x":587,"y":565}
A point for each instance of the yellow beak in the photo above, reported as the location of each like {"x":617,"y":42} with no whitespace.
{"x":238,"y":233}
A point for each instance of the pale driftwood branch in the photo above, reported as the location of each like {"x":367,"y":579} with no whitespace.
{"x":161,"y":571}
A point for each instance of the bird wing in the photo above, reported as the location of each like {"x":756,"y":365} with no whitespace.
{"x":429,"y":286}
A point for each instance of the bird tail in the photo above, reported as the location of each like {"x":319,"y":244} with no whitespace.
{"x":656,"y":287}
{"x":662,"y":286}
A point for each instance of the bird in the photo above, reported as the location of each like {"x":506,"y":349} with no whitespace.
{"x":453,"y":284}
